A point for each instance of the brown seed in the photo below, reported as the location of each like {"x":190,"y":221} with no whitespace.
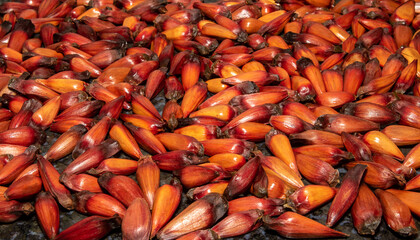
{"x":94,"y":227}
{"x":200,"y":132}
{"x":239,"y":223}
{"x":176,"y":160}
{"x":24,"y":188}
{"x":406,"y":79}
{"x":50,"y":180}
{"x":23,"y":136}
{"x":210,"y":208}
{"x":23,"y":117}
{"x":63,"y":85}
{"x":200,"y":234}
{"x":136,"y":223}
{"x":293,"y":225}
{"x":357,"y":147}
{"x":112,"y":108}
{"x":91,"y":158}
{"x":366,"y":211}
{"x":317,"y":171}
{"x":408,"y":198}
{"x":162,"y":211}
{"x":310,"y":197}
{"x":346,"y":194}
{"x":12,"y":210}
{"x":190,"y":71}
{"x":299,"y":110}
{"x":379,"y":85}
{"x":173,"y":88}
{"x":61,"y":126}
{"x":276,"y":187}
{"x":243,"y":178}
{"x":148,"y":176}
{"x":260,"y":78}
{"x":83,"y":109}
{"x":371,"y":111}
{"x":229,"y":161}
{"x":93,"y":137}
{"x":201,"y":120}
{"x":379,"y":176}
{"x":193,"y":98}
{"x":142,"y":106}
{"x":339,"y":123}
{"x":154,"y":82}
{"x":404,"y":13}
{"x":248,"y":101}
{"x":280,"y":146}
{"x":228,"y":145}
{"x":397,"y":215}
{"x":171,"y":112}
{"x":83,"y":182}
{"x":98,"y":204}
{"x":22,"y":30}
{"x":48,"y":214}
{"x":281,"y":170}
{"x":194,"y":176}
{"x":289,"y":124}
{"x":411,"y":160}
{"x":379,"y":142}
{"x":256,"y":114}
{"x":276,"y":25}
{"x":373,"y":70}
{"x":18,"y":164}
{"x":121,"y":187}
{"x":117,"y":166}
{"x":175,"y":141}
{"x":259,"y":186}
{"x":311,"y":72}
{"x":226,"y":95}
{"x":122,"y":135}
{"x":32,"y":170}
{"x":250,"y":131}
{"x":394,"y":165}
{"x":145,"y":122}
{"x":221,"y":111}
{"x":199,"y":192}
{"x":407,"y":111}
{"x":317,"y":137}
{"x":65,"y":144}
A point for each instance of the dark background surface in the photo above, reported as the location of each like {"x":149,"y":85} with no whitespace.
{"x":27,"y":227}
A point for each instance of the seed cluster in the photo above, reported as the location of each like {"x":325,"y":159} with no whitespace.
{"x":322,"y":84}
